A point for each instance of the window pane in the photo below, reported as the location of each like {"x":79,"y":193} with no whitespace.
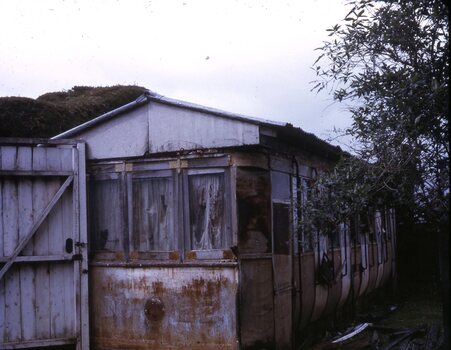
{"x":281,"y":214}
{"x":153,"y":214}
{"x":307,"y":235}
{"x":280,"y":186}
{"x":207,"y":211}
{"x":106,"y":216}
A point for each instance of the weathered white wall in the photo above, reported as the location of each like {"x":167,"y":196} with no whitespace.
{"x":122,"y":136}
{"x":173,"y":128}
{"x":157,"y":127}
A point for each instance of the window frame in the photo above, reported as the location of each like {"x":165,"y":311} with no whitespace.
{"x":179,"y":170}
{"x":105,"y":254}
{"x":207,"y":254}
{"x":173,"y":254}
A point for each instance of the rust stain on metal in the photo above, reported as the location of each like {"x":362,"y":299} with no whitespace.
{"x":154,"y":309}
{"x":158,"y":288}
{"x":178,"y":164}
{"x":174,"y":255}
{"x":252,"y":187}
{"x":191,"y":255}
{"x":119,"y":255}
{"x":228,"y":254}
{"x":134,"y":255}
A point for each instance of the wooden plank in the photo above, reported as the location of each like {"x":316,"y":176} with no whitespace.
{"x":40,"y":247}
{"x":2,"y":310}
{"x":10,"y":216}
{"x":76,"y":231}
{"x":27,"y":272}
{"x":56,"y":246}
{"x":12,"y":281}
{"x":34,"y":141}
{"x":8,"y":157}
{"x":2,"y":231}
{"x":2,"y":282}
{"x":39,"y":258}
{"x":37,"y":343}
{"x":66,"y":158}
{"x":12,"y":306}
{"x":34,"y":173}
{"x":68,"y":272}
{"x":41,"y":218}
{"x":80,"y":192}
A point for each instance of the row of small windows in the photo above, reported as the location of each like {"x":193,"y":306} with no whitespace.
{"x":172,"y":210}
{"x":159,"y":211}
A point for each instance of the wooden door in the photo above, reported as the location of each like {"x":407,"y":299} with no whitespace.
{"x":43,"y":244}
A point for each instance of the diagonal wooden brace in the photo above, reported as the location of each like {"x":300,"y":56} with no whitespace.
{"x":36,"y":226}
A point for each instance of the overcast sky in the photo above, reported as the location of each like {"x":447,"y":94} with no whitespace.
{"x":248,"y":57}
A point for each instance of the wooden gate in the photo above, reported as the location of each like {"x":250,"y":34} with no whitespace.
{"x":43,"y":249}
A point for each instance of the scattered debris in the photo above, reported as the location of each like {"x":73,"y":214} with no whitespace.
{"x":388,"y":328}
{"x":354,"y":331}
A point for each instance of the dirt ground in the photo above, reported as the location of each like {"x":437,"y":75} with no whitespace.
{"x":412,"y":321}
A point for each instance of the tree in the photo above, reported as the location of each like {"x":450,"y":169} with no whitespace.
{"x":390,"y":60}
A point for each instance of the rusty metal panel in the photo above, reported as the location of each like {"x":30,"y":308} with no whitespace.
{"x":372,"y":266}
{"x":335,"y":288}
{"x":321,"y":294}
{"x":38,"y":289}
{"x":321,"y":289}
{"x":256,"y":304}
{"x":356,"y":267}
{"x":254,"y":210}
{"x":164,"y":307}
{"x":345,"y":271}
{"x":365,"y":264}
{"x":283,"y":301}
{"x":255,"y":160}
{"x":307,"y":287}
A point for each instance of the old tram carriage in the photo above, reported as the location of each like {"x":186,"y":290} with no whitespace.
{"x":194,"y":230}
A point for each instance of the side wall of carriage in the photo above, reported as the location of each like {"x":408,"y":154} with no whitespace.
{"x":162,"y":274}
{"x":281,"y":287}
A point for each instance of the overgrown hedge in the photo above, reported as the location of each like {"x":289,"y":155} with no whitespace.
{"x":55,"y":112}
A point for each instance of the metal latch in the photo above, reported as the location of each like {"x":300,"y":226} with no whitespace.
{"x":77,"y":257}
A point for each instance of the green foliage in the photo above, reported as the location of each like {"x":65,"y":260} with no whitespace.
{"x":389,"y":60}
{"x":351,"y":188}
{"x":55,"y":112}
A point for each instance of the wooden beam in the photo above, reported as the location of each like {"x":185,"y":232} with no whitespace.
{"x":38,"y":258}
{"x":36,"y":226}
{"x":52,"y":173}
{"x":16,"y":141}
{"x":26,"y":344}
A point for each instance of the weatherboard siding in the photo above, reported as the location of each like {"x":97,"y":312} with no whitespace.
{"x":173,"y":129}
